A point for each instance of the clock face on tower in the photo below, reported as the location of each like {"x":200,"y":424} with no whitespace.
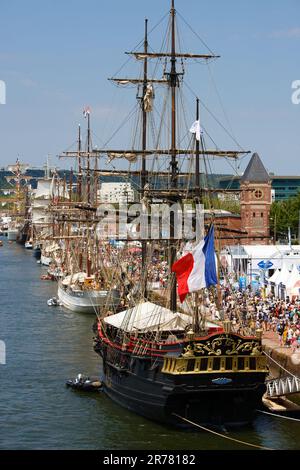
{"x":258,"y":194}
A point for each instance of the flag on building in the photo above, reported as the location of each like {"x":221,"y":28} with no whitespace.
{"x":197,"y":269}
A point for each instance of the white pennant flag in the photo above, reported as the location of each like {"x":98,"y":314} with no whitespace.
{"x":196,"y":129}
{"x":86,"y":111}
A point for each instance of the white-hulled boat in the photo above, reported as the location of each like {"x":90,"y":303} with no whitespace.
{"x":77,"y":293}
{"x":46,"y":260}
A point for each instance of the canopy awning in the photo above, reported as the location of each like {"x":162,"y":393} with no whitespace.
{"x":147,"y":316}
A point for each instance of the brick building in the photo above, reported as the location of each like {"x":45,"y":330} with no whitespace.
{"x":252,"y":226}
{"x":256,"y":200}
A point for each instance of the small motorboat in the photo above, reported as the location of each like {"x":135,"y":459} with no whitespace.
{"x":54,"y":302}
{"x":84,"y":383}
{"x":28,"y":245}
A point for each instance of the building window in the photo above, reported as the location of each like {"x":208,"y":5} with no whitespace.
{"x":258,"y":194}
{"x":261,"y":214}
{"x":253,"y":214}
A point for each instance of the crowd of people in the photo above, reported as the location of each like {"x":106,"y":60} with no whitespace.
{"x":254,"y":311}
{"x":247,"y":310}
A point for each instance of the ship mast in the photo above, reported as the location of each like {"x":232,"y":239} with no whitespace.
{"x":88,"y":170}
{"x":173,"y":82}
{"x":197,"y":160}
{"x":79,"y":183}
{"x":144,"y":146}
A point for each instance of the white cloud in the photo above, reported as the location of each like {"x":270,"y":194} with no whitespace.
{"x":292,"y":33}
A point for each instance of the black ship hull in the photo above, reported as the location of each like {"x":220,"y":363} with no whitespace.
{"x":219,"y":398}
{"x":37,"y":252}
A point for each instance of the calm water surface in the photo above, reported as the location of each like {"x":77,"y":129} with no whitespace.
{"x":47,"y":345}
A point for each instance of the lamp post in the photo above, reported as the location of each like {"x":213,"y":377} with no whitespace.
{"x":275,"y":227}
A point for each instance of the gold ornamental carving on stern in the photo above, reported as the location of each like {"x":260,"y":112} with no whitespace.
{"x":224,"y":345}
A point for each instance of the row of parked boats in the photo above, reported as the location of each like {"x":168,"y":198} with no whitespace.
{"x":160,"y":356}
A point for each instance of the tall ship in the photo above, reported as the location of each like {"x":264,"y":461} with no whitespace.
{"x":19,"y":226}
{"x":84,"y":285}
{"x":163,"y":358}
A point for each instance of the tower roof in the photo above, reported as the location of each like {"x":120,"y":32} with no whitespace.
{"x":255,"y":171}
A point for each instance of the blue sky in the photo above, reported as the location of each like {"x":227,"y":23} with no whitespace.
{"x":56,"y":56}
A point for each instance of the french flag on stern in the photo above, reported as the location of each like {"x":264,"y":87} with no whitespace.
{"x":197,"y":269}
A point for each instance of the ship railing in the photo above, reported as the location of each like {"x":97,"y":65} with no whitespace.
{"x":208,"y":364}
{"x":140,"y":348}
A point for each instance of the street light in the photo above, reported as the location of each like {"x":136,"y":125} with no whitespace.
{"x":275,"y":224}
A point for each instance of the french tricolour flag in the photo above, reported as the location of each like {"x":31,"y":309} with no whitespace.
{"x":197,"y":269}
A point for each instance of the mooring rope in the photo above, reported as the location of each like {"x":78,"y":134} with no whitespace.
{"x":278,"y":416}
{"x":222,"y":435}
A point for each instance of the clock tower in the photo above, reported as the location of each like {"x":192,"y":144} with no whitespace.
{"x":256,"y":202}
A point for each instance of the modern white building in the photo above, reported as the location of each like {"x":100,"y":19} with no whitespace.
{"x":259,"y":260}
{"x":117,"y":192}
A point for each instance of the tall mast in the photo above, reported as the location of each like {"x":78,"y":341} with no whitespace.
{"x":144,"y":146}
{"x":79,"y":183}
{"x":197,"y":162}
{"x":88,"y":160}
{"x":145,"y":83}
{"x":173,"y":82}
{"x":71,"y":185}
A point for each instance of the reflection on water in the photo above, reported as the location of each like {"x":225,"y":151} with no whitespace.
{"x":47,"y":345}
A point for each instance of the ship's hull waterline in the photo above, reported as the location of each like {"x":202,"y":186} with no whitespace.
{"x":227,"y":407}
{"x":211,"y":397}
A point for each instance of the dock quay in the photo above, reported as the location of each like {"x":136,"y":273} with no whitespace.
{"x":284,"y":356}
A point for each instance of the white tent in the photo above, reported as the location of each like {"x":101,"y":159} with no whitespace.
{"x":294,"y":278}
{"x":283,"y":276}
{"x":147,"y":316}
{"x":274,"y":276}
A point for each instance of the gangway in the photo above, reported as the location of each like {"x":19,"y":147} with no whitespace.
{"x":282,"y":386}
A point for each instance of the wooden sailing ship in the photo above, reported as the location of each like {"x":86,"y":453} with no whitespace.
{"x":83,"y":285}
{"x":159,"y":360}
{"x":19,"y":227}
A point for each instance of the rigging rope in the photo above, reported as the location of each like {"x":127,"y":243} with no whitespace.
{"x":214,"y":117}
{"x":222,"y":435}
{"x":195,"y":33}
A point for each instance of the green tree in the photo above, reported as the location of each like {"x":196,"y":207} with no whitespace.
{"x":285,"y":214}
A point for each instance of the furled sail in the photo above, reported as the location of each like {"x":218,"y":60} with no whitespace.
{"x":131,"y":157}
{"x":148,"y":98}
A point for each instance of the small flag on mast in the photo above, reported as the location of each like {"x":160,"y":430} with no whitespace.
{"x":86,"y":111}
{"x":196,"y":129}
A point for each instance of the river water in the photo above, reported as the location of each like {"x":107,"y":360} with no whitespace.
{"x":47,"y":345}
